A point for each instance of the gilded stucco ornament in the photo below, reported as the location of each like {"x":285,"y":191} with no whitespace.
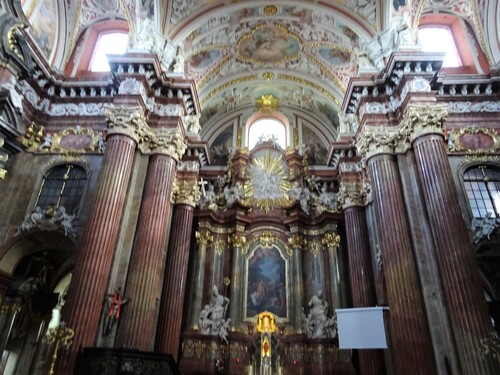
{"x":128,"y":121}
{"x":354,"y":194}
{"x":267,"y":239}
{"x":186,"y":192}
{"x":474,"y":140}
{"x":267,"y":184}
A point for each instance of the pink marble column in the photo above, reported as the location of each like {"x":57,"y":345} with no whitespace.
{"x":371,"y":361}
{"x":467,"y":307}
{"x":174,"y":284}
{"x":410,"y":342}
{"x":145,"y":277}
{"x":83,"y":308}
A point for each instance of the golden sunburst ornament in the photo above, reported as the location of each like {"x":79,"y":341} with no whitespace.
{"x":267,"y":103}
{"x":267,"y":186}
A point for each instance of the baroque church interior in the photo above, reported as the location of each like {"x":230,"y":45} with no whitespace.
{"x":218,"y":186}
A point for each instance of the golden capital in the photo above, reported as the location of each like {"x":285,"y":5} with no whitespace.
{"x":165,"y":141}
{"x":296,"y":241}
{"x":186,"y":192}
{"x":354,"y":194}
{"x":203,"y":236}
{"x":376,"y":140}
{"x":128,"y":121}
{"x":331,"y":240}
{"x":422,"y":120}
{"x":238,"y":240}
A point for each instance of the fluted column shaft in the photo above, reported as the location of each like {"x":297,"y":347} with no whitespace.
{"x":371,"y":362}
{"x":410,"y":338}
{"x":83,"y":307}
{"x":174,"y":285}
{"x":235,"y":305}
{"x":334,"y":278}
{"x":199,"y":279}
{"x":145,"y":276}
{"x":460,"y":279}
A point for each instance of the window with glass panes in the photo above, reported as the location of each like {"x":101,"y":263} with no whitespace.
{"x":63,"y":185}
{"x":482,"y":186}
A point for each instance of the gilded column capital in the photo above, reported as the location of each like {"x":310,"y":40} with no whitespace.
{"x":354,"y":194}
{"x":186,"y":192}
{"x":295,"y":242}
{"x":128,"y":121}
{"x":164,"y":141}
{"x":237,"y":240}
{"x":331,"y":240}
{"x":376,"y":140}
{"x":204,"y":237}
{"x":422,"y":120}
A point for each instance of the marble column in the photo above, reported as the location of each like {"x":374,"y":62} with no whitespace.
{"x":467,"y":309}
{"x":235,"y":306}
{"x":314,"y":272}
{"x":353,"y":197}
{"x":410,"y":341}
{"x":186,"y":195}
{"x":331,"y":242}
{"x":203,"y":238}
{"x":83,"y":308}
{"x":296,"y":243}
{"x":145,"y":276}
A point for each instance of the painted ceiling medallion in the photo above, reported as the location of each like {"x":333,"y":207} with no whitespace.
{"x":267,"y":186}
{"x":266,"y":44}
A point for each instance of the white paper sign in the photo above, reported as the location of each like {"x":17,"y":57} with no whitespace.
{"x":361,"y":328}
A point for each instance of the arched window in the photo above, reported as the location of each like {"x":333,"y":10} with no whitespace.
{"x":267,"y":129}
{"x":63,"y":186}
{"x":440,"y":39}
{"x":108,"y":44}
{"x":444,"y":32}
{"x":482,"y":185}
{"x":103,"y":38}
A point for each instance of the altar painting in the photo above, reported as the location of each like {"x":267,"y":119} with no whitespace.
{"x":266,"y":284}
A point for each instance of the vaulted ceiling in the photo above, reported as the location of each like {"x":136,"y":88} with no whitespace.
{"x":302,"y":52}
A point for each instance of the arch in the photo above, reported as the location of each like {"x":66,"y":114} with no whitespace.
{"x":19,"y":247}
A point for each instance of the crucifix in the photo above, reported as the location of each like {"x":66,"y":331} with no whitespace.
{"x":202,"y":184}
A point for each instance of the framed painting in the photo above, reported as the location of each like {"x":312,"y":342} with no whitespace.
{"x":266,"y":284}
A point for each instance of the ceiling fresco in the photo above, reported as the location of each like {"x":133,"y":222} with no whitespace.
{"x":301,"y":52}
{"x":297,"y":53}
